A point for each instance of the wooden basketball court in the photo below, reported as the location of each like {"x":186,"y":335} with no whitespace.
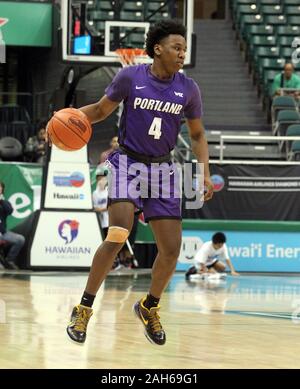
{"x":245,"y":322}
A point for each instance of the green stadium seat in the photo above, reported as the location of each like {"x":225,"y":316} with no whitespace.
{"x":285,"y":41}
{"x":296,"y":150}
{"x":293,"y":20}
{"x":248,"y":9}
{"x":256,"y":41}
{"x":158,"y":16}
{"x":259,"y":53}
{"x":101,"y":15}
{"x":155,"y":6}
{"x":244,"y":10}
{"x":293,"y":130}
{"x":288,"y":30}
{"x":250,"y":20}
{"x":104,"y":6}
{"x":137,"y":40}
{"x":137,"y":16}
{"x":271,"y":10}
{"x":268,"y":77}
{"x":238,"y":3}
{"x":260,"y":29}
{"x":100,"y":26}
{"x":270,"y":2}
{"x":242,"y":2}
{"x":292,"y":10}
{"x":282,"y":103}
{"x":267,"y":82}
{"x":271,"y":64}
{"x":275,"y":20}
{"x":291,"y":2}
{"x":286,"y":52}
{"x":266,"y":52}
{"x":261,"y":40}
{"x":284,"y":119}
{"x":257,"y":29}
{"x":133,"y":6}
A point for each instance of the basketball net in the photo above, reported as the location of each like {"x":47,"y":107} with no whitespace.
{"x":129,"y":56}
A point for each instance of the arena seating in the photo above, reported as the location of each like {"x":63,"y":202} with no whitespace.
{"x":266,"y":30}
{"x":138,"y":11}
{"x":15,"y":129}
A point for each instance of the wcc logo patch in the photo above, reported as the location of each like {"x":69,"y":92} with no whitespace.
{"x":68,"y":230}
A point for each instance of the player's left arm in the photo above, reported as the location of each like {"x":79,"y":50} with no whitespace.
{"x":200,"y":150}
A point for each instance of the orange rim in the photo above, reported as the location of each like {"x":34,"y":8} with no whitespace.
{"x":127,"y":56}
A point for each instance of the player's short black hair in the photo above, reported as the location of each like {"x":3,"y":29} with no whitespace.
{"x":219,"y":237}
{"x":161,"y":30}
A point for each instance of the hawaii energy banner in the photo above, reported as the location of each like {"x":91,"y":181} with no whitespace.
{"x":261,"y":251}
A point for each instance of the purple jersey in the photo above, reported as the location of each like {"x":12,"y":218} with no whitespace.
{"x":153,"y":108}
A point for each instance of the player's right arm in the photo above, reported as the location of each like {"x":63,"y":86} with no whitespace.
{"x":117,"y":91}
{"x":101,"y":110}
{"x":200,"y":260}
{"x":202,"y":269}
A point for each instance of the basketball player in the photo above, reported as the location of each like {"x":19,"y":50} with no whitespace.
{"x":209,"y":258}
{"x":148,"y":131}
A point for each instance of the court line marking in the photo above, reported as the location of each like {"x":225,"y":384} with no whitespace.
{"x":277,"y":315}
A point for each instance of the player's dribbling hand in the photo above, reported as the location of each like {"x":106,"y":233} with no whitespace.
{"x":234,"y":273}
{"x":209,"y":188}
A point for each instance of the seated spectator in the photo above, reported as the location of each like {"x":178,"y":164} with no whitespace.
{"x":209,"y":258}
{"x":100,"y":201}
{"x":35,"y":148}
{"x":113,"y":146}
{"x":15,"y":241}
{"x":286,"y":79}
{"x":100,"y":198}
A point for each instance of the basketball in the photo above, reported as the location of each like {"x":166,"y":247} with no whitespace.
{"x":69,"y":129}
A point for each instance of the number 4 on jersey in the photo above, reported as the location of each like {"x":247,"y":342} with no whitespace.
{"x":155,"y":128}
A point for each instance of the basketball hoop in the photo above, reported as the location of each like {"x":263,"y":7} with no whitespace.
{"x":129,"y":56}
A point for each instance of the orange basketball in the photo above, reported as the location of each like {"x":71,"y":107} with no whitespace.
{"x":69,"y":129}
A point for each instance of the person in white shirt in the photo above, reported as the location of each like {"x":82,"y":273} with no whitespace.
{"x":100,"y":197}
{"x":209,"y":258}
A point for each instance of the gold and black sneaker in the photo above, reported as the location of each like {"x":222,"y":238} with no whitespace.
{"x":78,"y":324}
{"x":150,"y":319}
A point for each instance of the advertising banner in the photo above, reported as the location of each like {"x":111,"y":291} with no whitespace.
{"x":65,"y":239}
{"x":68,"y":186}
{"x":248,"y":250}
{"x":22,"y":189}
{"x":76,"y":156}
{"x":252,"y":192}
